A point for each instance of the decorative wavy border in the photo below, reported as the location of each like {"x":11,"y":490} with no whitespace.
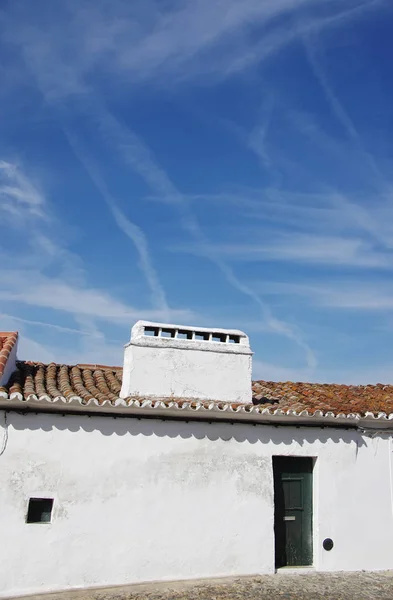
{"x":193,"y":409}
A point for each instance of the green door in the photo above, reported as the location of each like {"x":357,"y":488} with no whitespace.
{"x":293,"y":511}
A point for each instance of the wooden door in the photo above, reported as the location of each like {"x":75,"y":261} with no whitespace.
{"x":293,"y":511}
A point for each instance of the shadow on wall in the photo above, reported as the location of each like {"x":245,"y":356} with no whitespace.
{"x":134,"y":426}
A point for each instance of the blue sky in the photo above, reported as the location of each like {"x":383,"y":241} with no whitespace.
{"x":205,"y":162}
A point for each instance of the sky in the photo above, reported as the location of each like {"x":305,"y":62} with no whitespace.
{"x":201,"y":162}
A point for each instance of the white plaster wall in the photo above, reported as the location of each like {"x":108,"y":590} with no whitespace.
{"x":139,"y":500}
{"x":166,"y":371}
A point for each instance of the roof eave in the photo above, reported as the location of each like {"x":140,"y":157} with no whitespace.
{"x":188,"y":411}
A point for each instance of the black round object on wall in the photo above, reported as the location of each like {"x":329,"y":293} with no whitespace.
{"x":327,"y":544}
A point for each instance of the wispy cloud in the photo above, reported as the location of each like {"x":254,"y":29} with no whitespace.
{"x":341,"y":113}
{"x":141,"y":42}
{"x":18,"y":195}
{"x":16,"y":319}
{"x":301,"y":24}
{"x":302,"y":249}
{"x":343,"y":293}
{"x":130,"y":229}
{"x":152,"y":42}
{"x":26,"y":282}
{"x":85,"y":48}
{"x":325,"y":227}
{"x":369,"y":209}
{"x":36,"y":289}
{"x":257,"y":140}
{"x":135,"y":152}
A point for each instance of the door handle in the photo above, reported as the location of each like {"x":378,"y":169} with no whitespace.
{"x":289,"y":518}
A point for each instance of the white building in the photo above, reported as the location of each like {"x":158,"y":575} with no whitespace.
{"x":179,"y":467}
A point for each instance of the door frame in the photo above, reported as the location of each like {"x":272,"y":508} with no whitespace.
{"x":315,"y":510}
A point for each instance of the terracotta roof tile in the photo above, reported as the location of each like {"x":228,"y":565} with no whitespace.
{"x":8,"y":340}
{"x":104,"y":383}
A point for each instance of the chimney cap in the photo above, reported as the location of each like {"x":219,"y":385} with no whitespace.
{"x":148,"y":333}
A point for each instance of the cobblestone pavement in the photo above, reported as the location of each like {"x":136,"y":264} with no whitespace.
{"x":313,"y":586}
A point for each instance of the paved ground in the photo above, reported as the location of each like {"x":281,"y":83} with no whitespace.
{"x":315,"y":586}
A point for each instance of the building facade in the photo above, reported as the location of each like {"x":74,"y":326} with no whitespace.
{"x":105,"y":484}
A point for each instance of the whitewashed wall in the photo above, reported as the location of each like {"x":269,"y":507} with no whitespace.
{"x":139,"y":500}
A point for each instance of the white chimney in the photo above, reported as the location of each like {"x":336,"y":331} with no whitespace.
{"x":165,"y":361}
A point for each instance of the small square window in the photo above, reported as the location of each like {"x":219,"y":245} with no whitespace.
{"x":40,"y":510}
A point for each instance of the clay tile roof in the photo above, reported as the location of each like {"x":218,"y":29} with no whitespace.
{"x":8,"y":340}
{"x":87,"y":382}
{"x":67,"y":381}
{"x":345,"y":399}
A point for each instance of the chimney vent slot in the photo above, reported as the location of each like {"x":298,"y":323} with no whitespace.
{"x":188,"y":334}
{"x":168,"y":333}
{"x":151,"y":331}
{"x":202,"y":336}
{"x":184,"y":335}
{"x":219,"y":337}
